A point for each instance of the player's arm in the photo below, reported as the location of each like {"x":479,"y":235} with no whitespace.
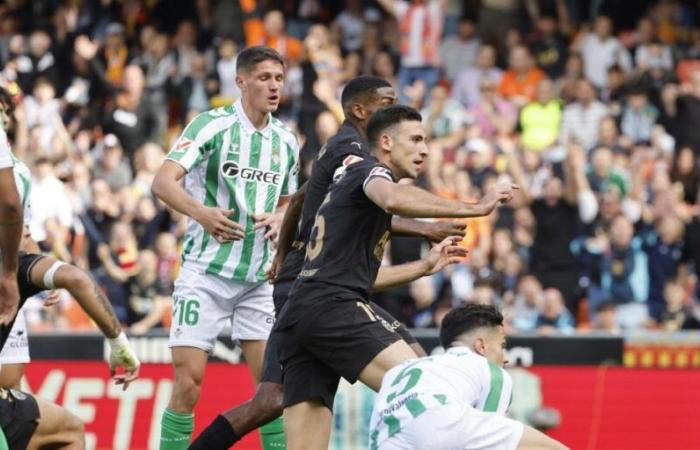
{"x":167,"y":187}
{"x":287,"y":230}
{"x":442,"y":254}
{"x":10,"y":236}
{"x":411,"y":201}
{"x":433,"y":231}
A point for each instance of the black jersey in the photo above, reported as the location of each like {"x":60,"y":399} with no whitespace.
{"x":346,"y":243}
{"x":340,"y":151}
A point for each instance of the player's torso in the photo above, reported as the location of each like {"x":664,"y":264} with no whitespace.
{"x":243,"y":170}
{"x":332,"y":159}
{"x":347,"y":241}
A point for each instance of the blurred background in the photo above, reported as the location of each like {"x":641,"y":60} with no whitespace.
{"x":592,"y":106}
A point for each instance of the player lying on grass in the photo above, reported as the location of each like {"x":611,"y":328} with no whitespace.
{"x":361,"y":97}
{"x":457,"y":400}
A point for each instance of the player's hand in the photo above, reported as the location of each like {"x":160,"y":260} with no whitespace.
{"x":497,"y":195}
{"x":440,"y":230}
{"x":122,"y":355}
{"x":9,"y":298}
{"x":270,"y":221}
{"x":444,"y":253}
{"x":53,"y":298}
{"x":274,"y":269}
{"x":218,"y":223}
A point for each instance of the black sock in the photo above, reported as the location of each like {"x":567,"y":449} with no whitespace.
{"x":219,"y":435}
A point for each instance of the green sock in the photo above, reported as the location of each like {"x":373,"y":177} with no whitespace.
{"x":175,"y":430}
{"x":272,"y":435}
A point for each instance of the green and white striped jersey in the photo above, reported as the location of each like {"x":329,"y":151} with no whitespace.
{"x":5,"y":153}
{"x":232,"y":165}
{"x":458,"y":377}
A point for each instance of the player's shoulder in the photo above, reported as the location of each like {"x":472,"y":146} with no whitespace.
{"x":286,"y":134}
{"x":211,"y":121}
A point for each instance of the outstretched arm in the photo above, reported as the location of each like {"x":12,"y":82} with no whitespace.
{"x":433,"y":231}
{"x":442,"y":254}
{"x":411,"y":201}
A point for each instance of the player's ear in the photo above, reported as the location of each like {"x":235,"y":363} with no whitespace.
{"x":240,"y":82}
{"x":480,"y":346}
{"x":358,"y":111}
{"x":385,"y":142}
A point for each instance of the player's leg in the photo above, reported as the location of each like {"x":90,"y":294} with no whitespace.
{"x":199,"y":314}
{"x":300,"y":434}
{"x":58,"y":429}
{"x":399,"y":328}
{"x":388,"y":358}
{"x":11,"y":375}
{"x":253,"y":319}
{"x":536,"y":440}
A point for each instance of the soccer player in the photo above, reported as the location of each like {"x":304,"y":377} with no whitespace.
{"x":29,"y":422}
{"x":327,"y":328}
{"x":239,"y":163}
{"x":457,"y":400}
{"x":361,"y":97}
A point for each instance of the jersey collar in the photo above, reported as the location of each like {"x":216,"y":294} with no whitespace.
{"x":247,"y":125}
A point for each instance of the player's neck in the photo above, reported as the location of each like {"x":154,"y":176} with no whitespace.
{"x":259,"y":119}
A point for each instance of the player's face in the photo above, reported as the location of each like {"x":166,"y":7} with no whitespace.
{"x":385,"y":96}
{"x":495,"y":346}
{"x":262,"y":85}
{"x":408,"y":149}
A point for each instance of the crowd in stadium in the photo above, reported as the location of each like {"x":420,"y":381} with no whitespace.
{"x":591,"y":107}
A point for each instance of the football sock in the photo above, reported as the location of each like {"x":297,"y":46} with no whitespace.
{"x":175,"y":430}
{"x":272,"y":435}
{"x":217,"y":436}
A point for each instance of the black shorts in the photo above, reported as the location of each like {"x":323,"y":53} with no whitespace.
{"x":272,"y":369}
{"x":26,"y":289}
{"x":19,"y":417}
{"x":331,"y":338}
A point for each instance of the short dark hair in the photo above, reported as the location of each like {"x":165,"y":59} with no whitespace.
{"x":466,"y":318}
{"x":249,"y":57}
{"x":361,"y":86}
{"x":387,"y":117}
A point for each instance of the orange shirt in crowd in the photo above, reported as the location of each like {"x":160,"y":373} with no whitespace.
{"x":513,"y":86}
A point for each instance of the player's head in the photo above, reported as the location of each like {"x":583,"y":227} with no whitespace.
{"x":364,"y":95}
{"x":260,"y":77}
{"x":398,"y":139}
{"x":478,"y":327}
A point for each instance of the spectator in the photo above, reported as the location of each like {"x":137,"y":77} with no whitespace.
{"x":554,"y":317}
{"x":444,"y":119}
{"x":528,"y":302}
{"x":602,"y":176}
{"x":664,"y":248}
{"x":638,"y":117}
{"x":351,"y":24}
{"x":600,"y":50}
{"x":493,"y":115}
{"x":606,"y":319}
{"x":688,"y":113}
{"x":459,"y":51}
{"x":650,"y":53}
{"x":37,"y":62}
{"x":519,"y":82}
{"x":540,"y":120}
{"x":112,"y":166}
{"x":686,"y":172}
{"x":467,"y":85}
{"x":581,"y":119}
{"x":114,"y":54}
{"x":420,"y":28}
{"x":275,"y":36}
{"x":677,"y":315}
{"x":550,"y":49}
{"x":148,"y":300}
{"x":226,"y":70}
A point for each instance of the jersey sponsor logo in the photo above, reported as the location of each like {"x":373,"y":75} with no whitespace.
{"x":380,"y":172}
{"x":182,"y":145}
{"x":307,"y":273}
{"x":231,"y":169}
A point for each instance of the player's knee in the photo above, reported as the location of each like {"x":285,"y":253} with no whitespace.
{"x":269,"y":400}
{"x":186,"y":390}
{"x":73,"y":279}
{"x":74,"y":429}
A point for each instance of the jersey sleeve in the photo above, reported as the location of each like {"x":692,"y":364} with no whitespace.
{"x":189,"y":149}
{"x":291,"y":177}
{"x":5,"y":154}
{"x":377,"y":172}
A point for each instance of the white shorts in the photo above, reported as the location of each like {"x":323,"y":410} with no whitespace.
{"x":204,"y":304}
{"x":454,"y":427}
{"x":16,"y":349}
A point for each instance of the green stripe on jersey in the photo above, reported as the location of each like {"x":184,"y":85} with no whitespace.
{"x":270,"y":199}
{"x":211,"y":188}
{"x":495,"y":390}
{"x":224,"y":251}
{"x":250,"y":196}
